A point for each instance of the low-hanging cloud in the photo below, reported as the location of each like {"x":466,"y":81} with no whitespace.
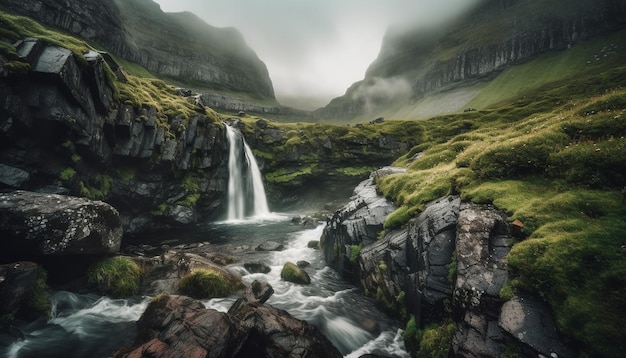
{"x":376,"y":93}
{"x":317,"y":49}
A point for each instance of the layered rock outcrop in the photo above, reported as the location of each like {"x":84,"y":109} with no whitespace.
{"x":63,"y":132}
{"x":448,"y":263}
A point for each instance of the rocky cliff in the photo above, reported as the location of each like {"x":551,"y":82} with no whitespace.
{"x":74,"y":122}
{"x":64,"y":132}
{"x":179,"y":46}
{"x":417,"y":61}
{"x":446,"y":268}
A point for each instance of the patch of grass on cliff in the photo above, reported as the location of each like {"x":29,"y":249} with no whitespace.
{"x":207,"y":283}
{"x":283,"y":176}
{"x":116,"y":276}
{"x":584,"y":57}
{"x":555,"y":162}
{"x":15,"y":27}
{"x":140,"y":90}
{"x":432,"y":341}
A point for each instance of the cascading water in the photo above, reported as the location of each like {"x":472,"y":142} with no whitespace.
{"x":246,"y":194}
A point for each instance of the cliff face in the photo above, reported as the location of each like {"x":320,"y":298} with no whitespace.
{"x":63,"y":132}
{"x":180,"y":46}
{"x":492,"y":37}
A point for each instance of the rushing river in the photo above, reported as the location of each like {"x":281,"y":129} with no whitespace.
{"x":93,"y":326}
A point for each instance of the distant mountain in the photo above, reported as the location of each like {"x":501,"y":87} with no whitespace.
{"x":422,"y":72}
{"x":177,"y":46}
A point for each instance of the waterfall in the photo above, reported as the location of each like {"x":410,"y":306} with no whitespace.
{"x":246,"y":195}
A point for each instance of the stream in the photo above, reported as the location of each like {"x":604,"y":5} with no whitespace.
{"x":87,"y":325}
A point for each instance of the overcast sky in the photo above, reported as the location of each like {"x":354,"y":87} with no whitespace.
{"x":315,"y":49}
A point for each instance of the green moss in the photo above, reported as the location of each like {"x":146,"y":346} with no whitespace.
{"x":160,"y":210}
{"x":283,"y":176}
{"x":97,"y":188}
{"x":67,"y":174}
{"x":507,"y":292}
{"x":116,"y":276}
{"x":382,"y":266}
{"x":356,"y":171}
{"x":207,"y":283}
{"x":292,"y":273}
{"x":354,"y":252}
{"x":18,"y":67}
{"x":76,"y":158}
{"x":39,"y":299}
{"x":436,"y":342}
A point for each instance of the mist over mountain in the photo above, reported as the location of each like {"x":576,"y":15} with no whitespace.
{"x":177,"y":46}
{"x":418,"y":63}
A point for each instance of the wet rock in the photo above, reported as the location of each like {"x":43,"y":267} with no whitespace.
{"x":257,"y":293}
{"x":357,"y":223}
{"x":530,"y":321}
{"x":482,"y":243}
{"x":178,"y":326}
{"x":303,"y":264}
{"x":16,"y":285}
{"x":182,"y":327}
{"x":162,"y":273}
{"x":292,"y":273}
{"x":13,"y":177}
{"x":257,"y":267}
{"x":270,"y":246}
{"x":275,"y":333}
{"x":313,"y":244}
{"x":34,"y":224}
{"x":429,"y":247}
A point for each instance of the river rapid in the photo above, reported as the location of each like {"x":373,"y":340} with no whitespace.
{"x":87,"y":325}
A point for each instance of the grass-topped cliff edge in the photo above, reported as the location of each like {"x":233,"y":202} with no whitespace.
{"x":556,"y":161}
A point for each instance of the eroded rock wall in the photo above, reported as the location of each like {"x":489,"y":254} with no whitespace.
{"x":63,"y":132}
{"x":447,"y":264}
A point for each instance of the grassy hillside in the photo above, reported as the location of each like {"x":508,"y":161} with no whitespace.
{"x":555,"y":160}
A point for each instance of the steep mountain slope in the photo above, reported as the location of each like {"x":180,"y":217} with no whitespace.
{"x":422,"y":72}
{"x":178,"y":46}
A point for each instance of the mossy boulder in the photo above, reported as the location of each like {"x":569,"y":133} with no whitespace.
{"x":116,"y":276}
{"x":208,"y":283}
{"x":292,"y":273}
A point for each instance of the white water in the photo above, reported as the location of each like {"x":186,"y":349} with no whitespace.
{"x":338,"y":309}
{"x":246,"y":194}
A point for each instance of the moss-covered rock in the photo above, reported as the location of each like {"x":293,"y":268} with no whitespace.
{"x":116,"y":276}
{"x":292,"y":273}
{"x":208,"y":283}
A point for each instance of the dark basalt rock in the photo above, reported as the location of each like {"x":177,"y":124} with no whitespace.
{"x":16,"y":285}
{"x":35,"y":224}
{"x":357,"y":223}
{"x":414,"y":270}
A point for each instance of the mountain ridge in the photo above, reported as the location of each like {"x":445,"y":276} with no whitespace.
{"x":491,"y":38}
{"x":179,"y":47}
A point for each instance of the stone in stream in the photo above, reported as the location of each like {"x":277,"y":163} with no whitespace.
{"x":178,"y":326}
{"x":270,"y":246}
{"x":292,"y":273}
{"x":36,"y":224}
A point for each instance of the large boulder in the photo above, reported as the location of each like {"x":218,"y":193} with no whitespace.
{"x":178,"y":326}
{"x":358,"y":223}
{"x":36,"y":224}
